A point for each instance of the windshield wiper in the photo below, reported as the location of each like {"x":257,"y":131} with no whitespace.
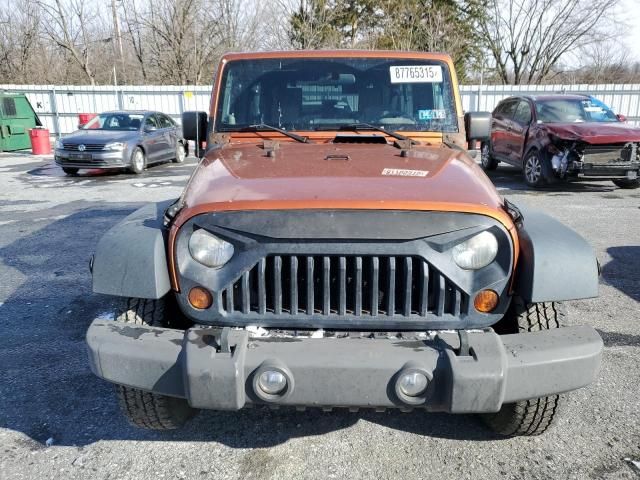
{"x":263,"y":126}
{"x":367,"y":126}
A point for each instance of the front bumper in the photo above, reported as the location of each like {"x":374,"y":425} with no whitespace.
{"x":606,"y":170}
{"x":101,"y":159}
{"x":215,"y":368}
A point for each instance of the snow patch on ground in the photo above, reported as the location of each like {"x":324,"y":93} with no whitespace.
{"x":109,"y":315}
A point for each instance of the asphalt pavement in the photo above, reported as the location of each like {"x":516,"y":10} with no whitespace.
{"x":58,"y":421}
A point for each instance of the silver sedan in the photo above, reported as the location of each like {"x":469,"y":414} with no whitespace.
{"x":131,"y":139}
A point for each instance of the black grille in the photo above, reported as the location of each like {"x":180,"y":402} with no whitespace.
{"x":357,"y":286}
{"x":89,"y":147}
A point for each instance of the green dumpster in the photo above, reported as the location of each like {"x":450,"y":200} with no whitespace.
{"x":17,"y":117}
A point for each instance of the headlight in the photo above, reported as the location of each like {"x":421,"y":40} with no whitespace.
{"x":209,"y":250}
{"x":477,"y":252}
{"x":115,"y":146}
{"x":58,"y":145}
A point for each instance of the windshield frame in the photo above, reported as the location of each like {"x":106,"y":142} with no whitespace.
{"x":581,"y":101}
{"x":106,"y":115}
{"x":453,"y":104}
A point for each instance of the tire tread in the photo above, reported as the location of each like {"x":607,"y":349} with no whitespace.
{"x":534,"y":416}
{"x":146,"y":409}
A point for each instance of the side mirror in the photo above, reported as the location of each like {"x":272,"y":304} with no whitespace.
{"x":477,"y":126}
{"x":150,"y":128}
{"x":194,"y":128}
{"x":621,"y":117}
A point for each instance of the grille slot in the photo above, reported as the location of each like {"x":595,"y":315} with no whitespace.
{"x":358,"y":286}
{"x":89,"y":147}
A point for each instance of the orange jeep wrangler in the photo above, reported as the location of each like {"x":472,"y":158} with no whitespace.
{"x":337,"y":247}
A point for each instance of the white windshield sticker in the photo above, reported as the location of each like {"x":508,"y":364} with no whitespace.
{"x":401,"y":172}
{"x":416,"y":74}
{"x":432,"y":114}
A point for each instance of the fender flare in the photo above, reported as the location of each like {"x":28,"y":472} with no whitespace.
{"x":131,"y":259}
{"x":555,"y":262}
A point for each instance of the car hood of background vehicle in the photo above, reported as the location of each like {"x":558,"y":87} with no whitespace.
{"x":100,"y":136}
{"x":329,"y":175}
{"x":595,"y":133}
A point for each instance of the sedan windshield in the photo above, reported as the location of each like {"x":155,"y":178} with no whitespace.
{"x":326,"y":94}
{"x":573,"y":111}
{"x":115,"y":121}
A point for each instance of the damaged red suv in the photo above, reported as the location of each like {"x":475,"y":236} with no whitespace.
{"x":563,"y":137}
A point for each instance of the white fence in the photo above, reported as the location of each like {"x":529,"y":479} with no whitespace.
{"x":622,"y":98}
{"x":59,"y":106}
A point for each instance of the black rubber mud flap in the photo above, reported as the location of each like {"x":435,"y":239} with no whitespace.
{"x":555,"y":263}
{"x":131,"y":259}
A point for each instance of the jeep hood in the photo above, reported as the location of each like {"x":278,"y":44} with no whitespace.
{"x":595,"y":133}
{"x":339,"y":176}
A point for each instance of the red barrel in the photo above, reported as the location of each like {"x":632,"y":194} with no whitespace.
{"x":40,"y":143}
{"x":84,"y":118}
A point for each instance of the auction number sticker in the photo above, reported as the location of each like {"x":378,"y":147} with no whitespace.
{"x":416,"y":74}
{"x":401,"y":172}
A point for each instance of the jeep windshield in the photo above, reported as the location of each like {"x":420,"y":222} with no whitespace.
{"x":573,"y":111}
{"x":327,"y":94}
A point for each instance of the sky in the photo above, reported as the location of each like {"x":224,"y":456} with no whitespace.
{"x":630,"y":12}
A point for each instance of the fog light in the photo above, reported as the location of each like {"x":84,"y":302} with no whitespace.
{"x":486,"y":301}
{"x":200,"y":298}
{"x":272,"y":382}
{"x":413,"y":384}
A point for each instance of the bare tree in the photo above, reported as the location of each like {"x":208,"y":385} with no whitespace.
{"x":72,"y":26}
{"x":527,"y":38}
{"x":134,"y":28}
{"x":19,"y":40}
{"x":311,"y":25}
{"x":240,"y":23}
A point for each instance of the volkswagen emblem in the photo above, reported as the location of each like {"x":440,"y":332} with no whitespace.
{"x":81,"y":148}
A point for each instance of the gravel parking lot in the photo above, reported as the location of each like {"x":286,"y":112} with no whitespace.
{"x":59,"y":421}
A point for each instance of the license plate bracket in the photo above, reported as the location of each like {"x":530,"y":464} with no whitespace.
{"x":80,"y":156}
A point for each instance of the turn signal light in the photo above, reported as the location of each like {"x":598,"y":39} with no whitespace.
{"x":486,"y":301}
{"x":200,"y":298}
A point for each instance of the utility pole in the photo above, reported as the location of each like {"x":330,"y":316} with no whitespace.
{"x":118,"y":43}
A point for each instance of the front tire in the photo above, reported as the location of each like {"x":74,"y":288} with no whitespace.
{"x":627,"y":183}
{"x":486,"y":160}
{"x":533,"y":169}
{"x":145,"y":409}
{"x":70,"y":170}
{"x":535,"y":416}
{"x":138,"y":161}
{"x":181,"y":153}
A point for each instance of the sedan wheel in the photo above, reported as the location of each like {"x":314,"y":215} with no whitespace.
{"x":533,"y":173}
{"x":181,"y":153}
{"x":138,"y":161}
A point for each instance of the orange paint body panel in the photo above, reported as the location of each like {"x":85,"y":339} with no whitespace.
{"x":339,"y":176}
